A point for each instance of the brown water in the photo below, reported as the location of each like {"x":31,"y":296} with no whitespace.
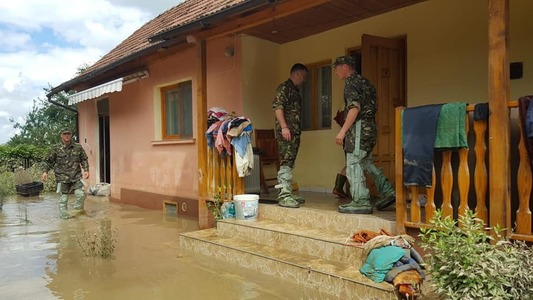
{"x":41,"y":257}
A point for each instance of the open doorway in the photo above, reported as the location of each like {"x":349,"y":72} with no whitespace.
{"x":103,"y":132}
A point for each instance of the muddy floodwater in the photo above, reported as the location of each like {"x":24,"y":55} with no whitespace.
{"x":43,"y":257}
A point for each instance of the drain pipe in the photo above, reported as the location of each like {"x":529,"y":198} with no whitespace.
{"x":49,"y":97}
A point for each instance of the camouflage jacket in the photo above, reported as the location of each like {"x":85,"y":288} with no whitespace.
{"x":288,"y":99}
{"x":67,"y":161}
{"x":359,"y":92}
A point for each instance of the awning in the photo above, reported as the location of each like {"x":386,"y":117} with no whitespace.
{"x":97,"y":91}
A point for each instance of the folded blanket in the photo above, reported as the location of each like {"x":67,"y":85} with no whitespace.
{"x":419,"y":127}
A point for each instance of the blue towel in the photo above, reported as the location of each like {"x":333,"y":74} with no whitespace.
{"x":419,"y":127}
{"x":380,"y":261}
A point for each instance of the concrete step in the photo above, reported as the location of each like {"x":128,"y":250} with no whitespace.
{"x":329,"y":245}
{"x":340,"y":279}
{"x":326,"y":220}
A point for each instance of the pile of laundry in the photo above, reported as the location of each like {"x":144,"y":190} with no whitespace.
{"x":229,"y":134}
{"x":391,"y":259}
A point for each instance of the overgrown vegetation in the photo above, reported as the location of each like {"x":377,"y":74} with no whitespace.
{"x":6,"y":186}
{"x":99,"y":243}
{"x":43,"y":123}
{"x":466,"y":263}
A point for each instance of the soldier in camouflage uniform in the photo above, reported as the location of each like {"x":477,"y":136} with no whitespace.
{"x":359,"y":135}
{"x":287,"y":107}
{"x":68,"y":160}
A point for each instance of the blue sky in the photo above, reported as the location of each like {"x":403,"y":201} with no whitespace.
{"x":42,"y":44}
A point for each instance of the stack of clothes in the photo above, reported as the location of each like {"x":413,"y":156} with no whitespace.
{"x":226,"y":132}
{"x":392,"y":259}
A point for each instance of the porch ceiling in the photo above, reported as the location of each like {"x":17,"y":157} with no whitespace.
{"x":323,"y":17}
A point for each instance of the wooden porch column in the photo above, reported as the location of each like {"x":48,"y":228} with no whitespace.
{"x":499,"y":94}
{"x":201,"y":128}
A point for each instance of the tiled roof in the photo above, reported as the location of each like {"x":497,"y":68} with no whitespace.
{"x":177,"y":16}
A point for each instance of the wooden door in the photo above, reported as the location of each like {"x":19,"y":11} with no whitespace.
{"x":384,"y":63}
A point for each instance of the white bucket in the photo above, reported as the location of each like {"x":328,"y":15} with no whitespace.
{"x":246,"y":207}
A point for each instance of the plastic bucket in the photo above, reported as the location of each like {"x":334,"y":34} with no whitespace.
{"x":246,"y":207}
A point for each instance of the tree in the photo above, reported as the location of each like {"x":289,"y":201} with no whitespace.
{"x":44,"y":122}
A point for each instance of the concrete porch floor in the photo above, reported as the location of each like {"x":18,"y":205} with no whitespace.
{"x":325,"y":201}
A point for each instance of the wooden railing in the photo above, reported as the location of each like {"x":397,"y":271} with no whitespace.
{"x":222,"y":177}
{"x":454,"y":190}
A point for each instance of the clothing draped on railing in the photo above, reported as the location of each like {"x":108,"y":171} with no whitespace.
{"x":426,"y":129}
{"x":229,"y":135}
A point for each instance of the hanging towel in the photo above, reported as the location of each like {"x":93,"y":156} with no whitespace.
{"x":451,"y":132}
{"x":419,"y":127}
{"x":481,"y":111}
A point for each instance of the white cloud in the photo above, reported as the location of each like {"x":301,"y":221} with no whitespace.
{"x":43,"y":43}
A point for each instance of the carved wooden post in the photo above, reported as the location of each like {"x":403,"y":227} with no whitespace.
{"x":201,"y":128}
{"x":499,"y":94}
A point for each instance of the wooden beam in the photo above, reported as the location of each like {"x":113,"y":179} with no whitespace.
{"x":499,"y":127}
{"x":201,"y":128}
{"x":270,"y":13}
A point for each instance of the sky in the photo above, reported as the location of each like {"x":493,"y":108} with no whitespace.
{"x":43,"y":43}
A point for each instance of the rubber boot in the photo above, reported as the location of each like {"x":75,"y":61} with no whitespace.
{"x":285,"y":197}
{"x":360,"y":193}
{"x":63,"y":206}
{"x":387,"y":194}
{"x":79,"y":204}
{"x":338,"y":190}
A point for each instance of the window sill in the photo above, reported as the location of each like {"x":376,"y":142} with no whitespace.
{"x":173,"y":142}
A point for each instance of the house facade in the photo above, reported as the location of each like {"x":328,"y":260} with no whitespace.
{"x":147,"y":137}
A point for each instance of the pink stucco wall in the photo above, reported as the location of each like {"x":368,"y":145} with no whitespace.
{"x":138,"y":161}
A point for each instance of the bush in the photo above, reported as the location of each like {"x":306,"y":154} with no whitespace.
{"x":464,"y":264}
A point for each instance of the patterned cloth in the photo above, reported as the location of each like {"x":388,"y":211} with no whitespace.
{"x":66,"y":161}
{"x":288,"y":99}
{"x":360,"y":93}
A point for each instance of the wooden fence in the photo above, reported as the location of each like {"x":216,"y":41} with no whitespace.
{"x":460,"y":182}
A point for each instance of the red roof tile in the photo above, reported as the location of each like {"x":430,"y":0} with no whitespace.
{"x":177,"y":16}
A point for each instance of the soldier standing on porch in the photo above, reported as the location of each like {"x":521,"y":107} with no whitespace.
{"x":69,"y":162}
{"x":287,"y":107}
{"x":358,"y":134}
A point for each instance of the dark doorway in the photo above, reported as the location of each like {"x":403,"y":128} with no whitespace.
{"x":105,"y":149}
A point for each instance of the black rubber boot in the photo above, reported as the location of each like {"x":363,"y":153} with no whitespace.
{"x":338,"y":190}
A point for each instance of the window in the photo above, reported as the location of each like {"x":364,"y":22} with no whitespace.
{"x":176,"y":109}
{"x":316,"y":96}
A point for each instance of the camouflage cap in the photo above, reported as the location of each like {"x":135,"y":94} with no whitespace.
{"x":344,"y":60}
{"x":65,"y":130}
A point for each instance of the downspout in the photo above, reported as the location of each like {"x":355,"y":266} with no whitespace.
{"x":49,"y":97}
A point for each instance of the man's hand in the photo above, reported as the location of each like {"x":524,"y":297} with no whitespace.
{"x":286,"y":133}
{"x":85,"y":175}
{"x":44,"y":176}
{"x":340,"y":138}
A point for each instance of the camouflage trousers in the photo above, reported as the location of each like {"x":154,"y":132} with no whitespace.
{"x":66,"y":188}
{"x":288,"y":150}
{"x":356,"y":165}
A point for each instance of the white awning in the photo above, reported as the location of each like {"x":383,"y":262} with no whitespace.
{"x":97,"y":91}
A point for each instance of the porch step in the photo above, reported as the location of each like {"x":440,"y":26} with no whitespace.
{"x":327,"y":220}
{"x":304,"y":245}
{"x":342,"y":280}
{"x":299,"y":239}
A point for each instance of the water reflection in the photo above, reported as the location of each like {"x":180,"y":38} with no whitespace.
{"x":41,"y":258}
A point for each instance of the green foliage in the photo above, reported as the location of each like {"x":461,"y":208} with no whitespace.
{"x":12,"y":157}
{"x":100,"y":243}
{"x":464,"y":264}
{"x":6,"y":186}
{"x":214,"y":205}
{"x":43,"y":123}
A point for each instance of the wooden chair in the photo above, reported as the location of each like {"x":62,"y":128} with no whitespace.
{"x":265,"y":141}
